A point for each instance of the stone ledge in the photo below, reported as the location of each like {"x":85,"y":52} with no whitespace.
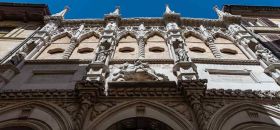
{"x":229,"y":93}
{"x":226,"y":61}
{"x":57,"y":61}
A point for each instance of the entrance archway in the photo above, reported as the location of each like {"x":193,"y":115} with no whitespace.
{"x":139,"y":123}
{"x":137,"y":109}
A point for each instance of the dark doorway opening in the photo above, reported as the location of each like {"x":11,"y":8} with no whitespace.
{"x":139,"y":123}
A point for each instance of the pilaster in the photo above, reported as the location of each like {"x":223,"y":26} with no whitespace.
{"x":88,"y":91}
{"x":106,"y":47}
{"x":194,"y":92}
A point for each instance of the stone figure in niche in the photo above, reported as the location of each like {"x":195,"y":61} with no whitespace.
{"x":172,"y":26}
{"x":265,"y":54}
{"x":111,"y":26}
{"x":137,"y":72}
{"x":102,"y":54}
{"x":181,"y":53}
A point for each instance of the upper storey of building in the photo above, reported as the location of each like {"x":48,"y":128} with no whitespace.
{"x":262,"y":21}
{"x":17,"y":23}
{"x":23,"y":12}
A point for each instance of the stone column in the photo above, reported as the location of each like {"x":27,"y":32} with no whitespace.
{"x":99,"y":66}
{"x":141,"y":46}
{"x":73,"y":43}
{"x":210,"y":42}
{"x":244,"y":37}
{"x":141,"y":41}
{"x":183,"y":67}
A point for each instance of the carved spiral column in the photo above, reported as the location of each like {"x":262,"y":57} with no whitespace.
{"x":213,"y":48}
{"x":210,"y":42}
{"x":70,"y":49}
{"x":141,"y":52}
{"x":73,"y":43}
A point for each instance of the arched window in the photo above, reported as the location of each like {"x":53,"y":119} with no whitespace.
{"x":85,"y":49}
{"x":156,"y":48}
{"x":197,"y":48}
{"x":228,"y":49}
{"x":55,"y":49}
{"x":127,"y":48}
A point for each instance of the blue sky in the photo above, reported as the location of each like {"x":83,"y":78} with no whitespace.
{"x":142,"y":8}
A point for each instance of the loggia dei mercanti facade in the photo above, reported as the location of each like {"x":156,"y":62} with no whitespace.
{"x":144,"y":73}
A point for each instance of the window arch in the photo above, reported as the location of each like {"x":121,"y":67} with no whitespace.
{"x":228,"y":49}
{"x":85,"y":49}
{"x":156,"y":48}
{"x":197,"y":48}
{"x":127,"y":48}
{"x":63,"y":40}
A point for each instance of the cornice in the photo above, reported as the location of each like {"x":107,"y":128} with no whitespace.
{"x":143,"y":89}
{"x":242,"y":94}
{"x":150,"y":21}
{"x":226,"y":61}
{"x":84,"y":21}
{"x":57,"y":61}
{"x":8,"y":66}
{"x":150,"y":61}
{"x":37,"y":94}
{"x":85,"y":84}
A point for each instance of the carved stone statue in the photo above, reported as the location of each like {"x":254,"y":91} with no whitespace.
{"x":137,"y":72}
{"x":171,"y":26}
{"x":102,"y":54}
{"x":111,"y":26}
{"x":181,"y":53}
{"x":235,"y":28}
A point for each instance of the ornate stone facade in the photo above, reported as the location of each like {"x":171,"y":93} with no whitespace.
{"x":169,"y":73}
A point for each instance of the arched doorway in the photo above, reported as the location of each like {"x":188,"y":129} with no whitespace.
{"x":139,"y":123}
{"x":140,"y":109}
